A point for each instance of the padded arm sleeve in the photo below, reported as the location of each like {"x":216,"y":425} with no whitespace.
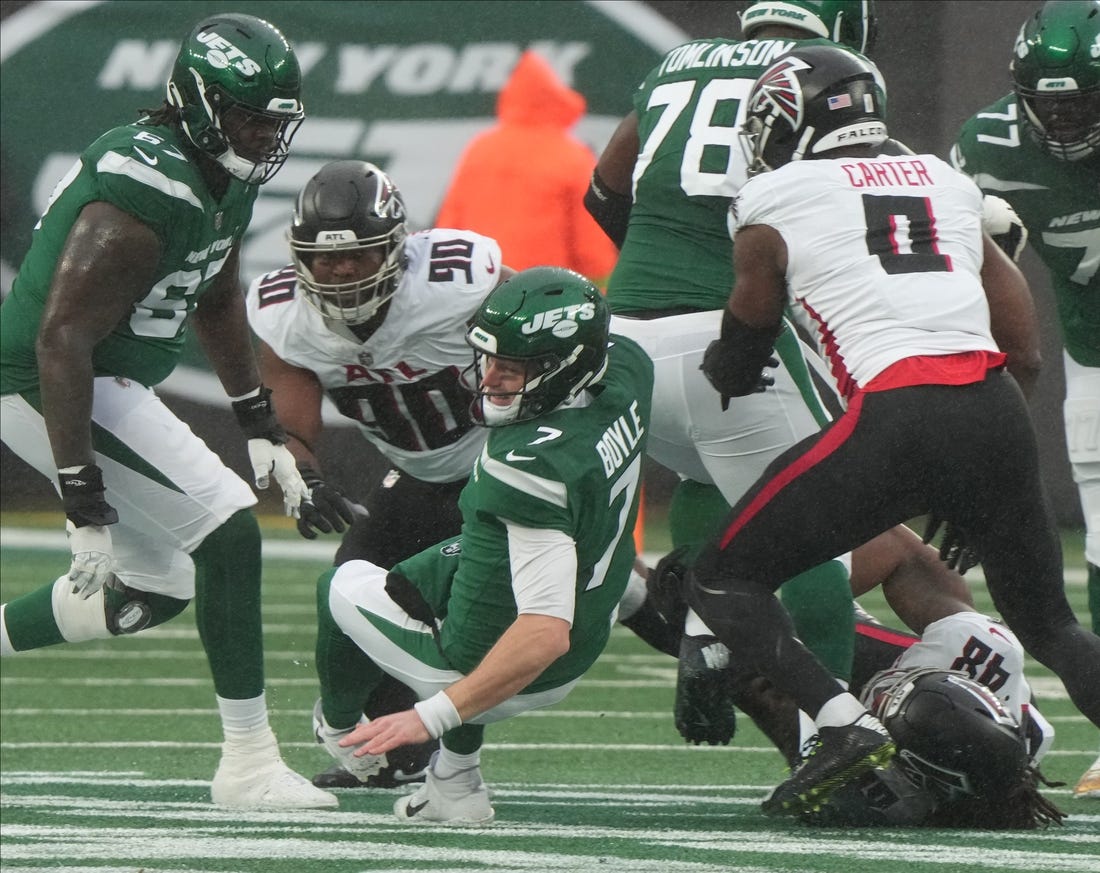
{"x":609,"y":208}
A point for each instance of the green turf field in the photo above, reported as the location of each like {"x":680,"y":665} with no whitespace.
{"x":106,"y":750}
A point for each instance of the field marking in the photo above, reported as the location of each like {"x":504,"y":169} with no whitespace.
{"x":291,"y":744}
{"x":207,"y":712}
{"x":388,"y":841}
{"x":38,"y":539}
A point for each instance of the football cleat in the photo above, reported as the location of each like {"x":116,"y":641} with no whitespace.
{"x":253,"y":776}
{"x":881,"y":797}
{"x":360,"y":767}
{"x":1089,"y":783}
{"x":461,"y":799}
{"x":703,"y":709}
{"x":840,"y":755}
{"x":393,"y":776}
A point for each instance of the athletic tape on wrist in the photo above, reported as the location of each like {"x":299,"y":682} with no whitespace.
{"x":438,"y":714}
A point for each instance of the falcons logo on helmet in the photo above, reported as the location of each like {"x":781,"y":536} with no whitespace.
{"x":388,"y":203}
{"x":778,"y":88}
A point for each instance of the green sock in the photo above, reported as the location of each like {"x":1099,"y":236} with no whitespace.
{"x":820,"y":604}
{"x":227,"y":606}
{"x":347,"y":675}
{"x":30,"y":620}
{"x":695,"y":513}
{"x":464,"y":739}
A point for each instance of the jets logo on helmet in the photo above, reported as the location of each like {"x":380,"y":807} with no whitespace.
{"x":561,"y":320}
{"x":552,"y":321}
{"x":222,"y":53}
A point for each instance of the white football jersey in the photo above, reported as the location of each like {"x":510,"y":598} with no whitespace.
{"x":884,"y":257}
{"x":403,"y":385}
{"x":987,"y":652}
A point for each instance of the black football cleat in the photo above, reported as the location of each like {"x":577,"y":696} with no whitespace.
{"x":841,"y":755}
{"x":881,"y":797}
{"x":703,"y":709}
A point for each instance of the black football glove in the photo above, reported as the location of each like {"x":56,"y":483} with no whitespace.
{"x":954,"y":550}
{"x":723,"y":378}
{"x":256,"y":416}
{"x":665,"y":586}
{"x":734,"y":363}
{"x":327,"y":509}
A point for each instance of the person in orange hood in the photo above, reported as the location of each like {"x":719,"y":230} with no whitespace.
{"x":523,"y":181}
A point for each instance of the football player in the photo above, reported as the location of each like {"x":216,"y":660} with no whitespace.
{"x":509,"y":616}
{"x":1039,"y":148}
{"x":965,"y":758}
{"x":909,"y":307}
{"x":949,"y":636}
{"x":661,"y":190}
{"x":376,"y":318}
{"x":141,"y":240}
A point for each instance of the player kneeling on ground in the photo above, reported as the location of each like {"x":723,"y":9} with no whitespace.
{"x":508,"y":616}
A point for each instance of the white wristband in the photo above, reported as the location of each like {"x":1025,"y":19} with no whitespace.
{"x":438,"y":714}
{"x":255,"y":392}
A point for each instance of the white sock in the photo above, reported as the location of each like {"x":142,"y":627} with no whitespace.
{"x":840,"y":710}
{"x":448,"y":763}
{"x":244,"y":720}
{"x":6,"y":647}
{"x":807,"y":730}
{"x":694,"y":627}
{"x":633,"y":597}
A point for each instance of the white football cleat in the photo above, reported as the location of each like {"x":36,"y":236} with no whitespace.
{"x":253,"y":776}
{"x":461,"y":799}
{"x":362,"y":767}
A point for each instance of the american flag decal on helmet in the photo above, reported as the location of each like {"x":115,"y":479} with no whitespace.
{"x":779,"y":88}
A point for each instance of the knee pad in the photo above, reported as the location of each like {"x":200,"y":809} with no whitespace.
{"x":114,"y":610}
{"x":78,"y":619}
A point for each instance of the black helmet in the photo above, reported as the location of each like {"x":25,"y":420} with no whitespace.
{"x":815,"y":99}
{"x":954,"y":737}
{"x":349,"y":206}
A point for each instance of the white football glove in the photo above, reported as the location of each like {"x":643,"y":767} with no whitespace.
{"x":93,"y":557}
{"x":1002,"y":223}
{"x":267,"y":458}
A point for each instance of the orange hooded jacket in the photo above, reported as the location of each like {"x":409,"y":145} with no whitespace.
{"x":522,"y":182}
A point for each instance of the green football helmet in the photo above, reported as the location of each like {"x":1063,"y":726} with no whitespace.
{"x":552,"y":320}
{"x":848,"y":22}
{"x":237,"y":86}
{"x":1056,"y":70}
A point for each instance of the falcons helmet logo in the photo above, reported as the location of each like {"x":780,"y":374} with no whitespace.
{"x":779,"y":88}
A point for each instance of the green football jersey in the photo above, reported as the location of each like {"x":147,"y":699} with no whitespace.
{"x":1059,"y":204}
{"x":575,"y":470}
{"x":145,"y":171}
{"x":690,"y":164}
